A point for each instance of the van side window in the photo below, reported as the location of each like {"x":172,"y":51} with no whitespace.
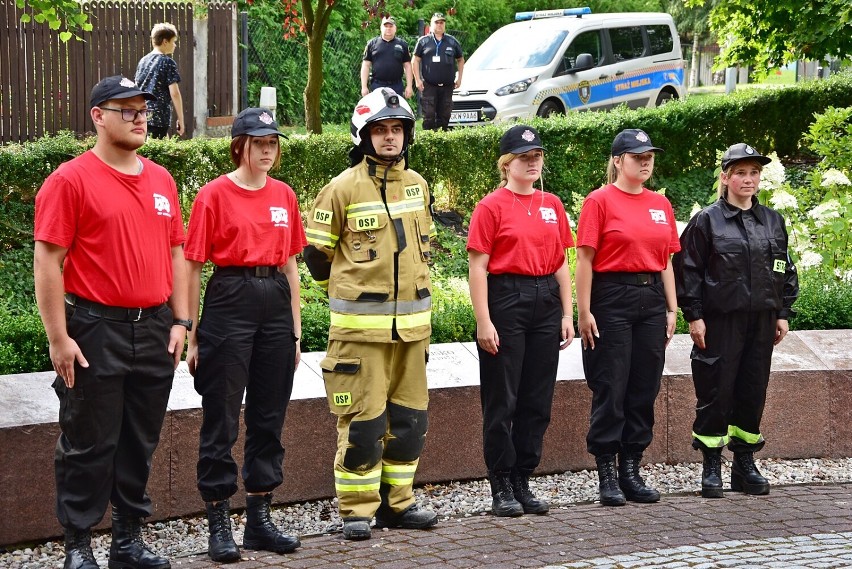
{"x":660,"y":39}
{"x":627,"y":43}
{"x":587,"y":42}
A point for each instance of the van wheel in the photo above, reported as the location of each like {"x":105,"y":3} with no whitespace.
{"x":664,"y":97}
{"x":549,"y":108}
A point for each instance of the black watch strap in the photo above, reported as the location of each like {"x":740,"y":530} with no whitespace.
{"x":185,"y":323}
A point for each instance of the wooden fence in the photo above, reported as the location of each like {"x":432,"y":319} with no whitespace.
{"x":45,"y":83}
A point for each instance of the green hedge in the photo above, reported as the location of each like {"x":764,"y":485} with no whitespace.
{"x":460,"y":164}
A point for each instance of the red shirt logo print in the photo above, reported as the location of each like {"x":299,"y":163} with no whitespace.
{"x":162,"y":205}
{"x":658,"y":216}
{"x":280,"y":217}
{"x":548,"y":214}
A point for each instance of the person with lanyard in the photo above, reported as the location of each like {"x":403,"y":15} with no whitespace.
{"x":520,"y":288}
{"x":434,"y":65}
{"x":388,"y":58}
{"x":369,"y":247}
{"x":626,"y":303}
{"x":248,"y":224}
{"x":110,"y":283}
{"x":736,"y":286}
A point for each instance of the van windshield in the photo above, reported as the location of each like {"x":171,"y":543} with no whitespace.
{"x":530,"y":48}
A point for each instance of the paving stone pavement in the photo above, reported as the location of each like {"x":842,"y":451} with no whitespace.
{"x":807,"y":526}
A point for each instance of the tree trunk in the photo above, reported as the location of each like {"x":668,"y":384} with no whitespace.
{"x":313,"y":116}
{"x":693,"y":67}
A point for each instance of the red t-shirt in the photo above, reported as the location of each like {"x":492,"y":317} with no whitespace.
{"x":249,"y":228}
{"x":524,"y":235}
{"x":118,"y":228}
{"x":632,"y":233}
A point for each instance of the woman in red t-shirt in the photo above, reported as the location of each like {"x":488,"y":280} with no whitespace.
{"x":626,"y":303}
{"x":520,"y":287}
{"x":249,"y":226}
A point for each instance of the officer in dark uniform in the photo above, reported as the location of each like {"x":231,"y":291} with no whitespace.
{"x":435,"y":59}
{"x":389,"y":58}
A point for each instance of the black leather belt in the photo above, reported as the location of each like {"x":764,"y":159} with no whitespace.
{"x":249,"y":272}
{"x":112,"y":312}
{"x":521,"y":278}
{"x":637,"y":279}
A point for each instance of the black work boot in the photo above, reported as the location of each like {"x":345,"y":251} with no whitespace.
{"x":745,"y":477}
{"x":521,"y":490}
{"x":631,"y":482}
{"x":711,"y":473}
{"x":127,"y":550}
{"x":413,"y":517}
{"x":503,"y":503}
{"x":78,"y":550}
{"x":610,"y":493}
{"x":221,"y":546}
{"x":261,"y":533}
{"x":356,"y":528}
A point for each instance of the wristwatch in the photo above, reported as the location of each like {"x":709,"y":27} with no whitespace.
{"x":185,"y":323}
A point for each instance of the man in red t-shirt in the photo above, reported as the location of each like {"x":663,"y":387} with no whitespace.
{"x":111,"y":290}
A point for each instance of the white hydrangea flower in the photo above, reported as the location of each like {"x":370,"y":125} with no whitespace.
{"x":825,"y":212}
{"x":782,"y":199}
{"x":845,"y":276}
{"x":809,"y":259}
{"x":773,"y":175}
{"x":834,"y":177}
{"x":695,"y":209}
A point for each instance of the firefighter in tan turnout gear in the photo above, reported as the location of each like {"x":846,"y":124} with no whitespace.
{"x":368,"y":236}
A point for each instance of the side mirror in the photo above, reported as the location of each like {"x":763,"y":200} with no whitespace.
{"x":584,"y":61}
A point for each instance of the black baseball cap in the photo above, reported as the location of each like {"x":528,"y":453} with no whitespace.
{"x":633,"y":141}
{"x":519,"y":139}
{"x":742,"y":151}
{"x":255,"y":121}
{"x":116,"y":87}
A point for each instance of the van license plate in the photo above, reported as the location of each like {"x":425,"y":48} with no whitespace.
{"x":464,"y":116}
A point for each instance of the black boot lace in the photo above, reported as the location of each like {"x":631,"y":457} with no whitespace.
{"x":712,"y":464}
{"x":82,"y":543}
{"x":221,"y":526}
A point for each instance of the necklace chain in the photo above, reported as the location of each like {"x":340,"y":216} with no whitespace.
{"x":238,"y":179}
{"x":529,"y":209}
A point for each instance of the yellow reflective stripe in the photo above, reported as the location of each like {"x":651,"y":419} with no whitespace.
{"x":321,"y":238}
{"x":398,"y":474}
{"x":380,"y":321}
{"x":432,"y":231}
{"x":405,"y":321}
{"x":745,"y":436}
{"x":323,"y":284}
{"x":359,"y":209}
{"x":711,"y":441}
{"x":406,"y":206}
{"x":399,"y":307}
{"x":353,"y":482}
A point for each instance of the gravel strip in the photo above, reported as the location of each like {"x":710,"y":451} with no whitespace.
{"x":188,"y":536}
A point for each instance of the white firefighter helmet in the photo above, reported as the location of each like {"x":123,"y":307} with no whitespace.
{"x":381,"y":104}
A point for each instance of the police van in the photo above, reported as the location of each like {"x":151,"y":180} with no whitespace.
{"x":556,"y":61}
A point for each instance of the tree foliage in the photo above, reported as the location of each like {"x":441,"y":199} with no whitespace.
{"x":770,"y":33}
{"x":57,"y":14}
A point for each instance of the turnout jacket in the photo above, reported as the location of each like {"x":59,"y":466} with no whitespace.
{"x":727,"y":265}
{"x":369,"y":246}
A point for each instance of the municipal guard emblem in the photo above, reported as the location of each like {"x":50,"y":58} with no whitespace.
{"x":265,"y":118}
{"x":528,"y":136}
{"x":641,"y":136}
{"x":125,"y":82}
{"x":585,"y":91}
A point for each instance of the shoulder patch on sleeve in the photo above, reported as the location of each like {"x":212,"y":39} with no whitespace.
{"x":323,"y":216}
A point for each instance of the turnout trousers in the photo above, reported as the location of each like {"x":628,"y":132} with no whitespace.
{"x":625,"y":368}
{"x":112,"y":417}
{"x":517,"y":384}
{"x":246,"y":345}
{"x":731,"y":375}
{"x":379,"y":394}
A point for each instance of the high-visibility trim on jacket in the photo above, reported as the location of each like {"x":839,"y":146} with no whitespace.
{"x":714,"y":441}
{"x":399,"y":474}
{"x":319,"y":238}
{"x":745,"y":436}
{"x":369,"y":235}
{"x":354,"y":482}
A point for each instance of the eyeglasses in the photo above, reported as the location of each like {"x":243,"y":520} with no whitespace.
{"x":130,"y":115}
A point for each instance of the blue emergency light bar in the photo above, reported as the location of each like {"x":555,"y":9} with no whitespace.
{"x":538,"y":14}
